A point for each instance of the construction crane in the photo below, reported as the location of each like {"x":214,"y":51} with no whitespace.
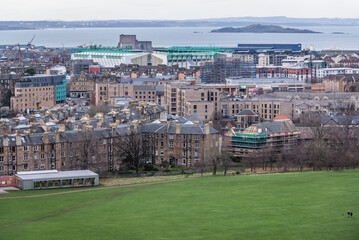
{"x":30,"y":43}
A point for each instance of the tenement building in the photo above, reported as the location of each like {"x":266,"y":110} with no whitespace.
{"x":181,"y":144}
{"x":94,"y":146}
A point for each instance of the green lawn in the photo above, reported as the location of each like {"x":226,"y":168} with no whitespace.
{"x":278,"y":206}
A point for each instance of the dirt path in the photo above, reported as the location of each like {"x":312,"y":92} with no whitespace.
{"x":93,"y":189}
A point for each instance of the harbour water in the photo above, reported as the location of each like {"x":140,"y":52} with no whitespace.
{"x":183,"y":36}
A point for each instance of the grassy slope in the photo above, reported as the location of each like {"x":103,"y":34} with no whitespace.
{"x":283,"y":206}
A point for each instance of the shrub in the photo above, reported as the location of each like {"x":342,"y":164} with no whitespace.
{"x":149,"y":167}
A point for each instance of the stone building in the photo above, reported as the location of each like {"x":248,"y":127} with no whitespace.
{"x":99,"y":149}
{"x":181,"y":144}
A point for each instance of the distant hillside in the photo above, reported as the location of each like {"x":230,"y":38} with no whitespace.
{"x":258,"y":28}
{"x":211,"y":22}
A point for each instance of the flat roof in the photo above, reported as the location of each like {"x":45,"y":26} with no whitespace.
{"x":56,"y":175}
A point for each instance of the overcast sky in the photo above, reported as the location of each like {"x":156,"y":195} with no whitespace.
{"x":170,"y":9}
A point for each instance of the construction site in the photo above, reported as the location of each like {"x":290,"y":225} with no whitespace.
{"x":221,"y":67}
{"x":260,"y":138}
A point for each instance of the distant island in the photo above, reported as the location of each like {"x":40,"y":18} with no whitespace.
{"x":258,"y":28}
{"x":338,"y":33}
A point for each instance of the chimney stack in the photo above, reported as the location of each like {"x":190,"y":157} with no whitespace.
{"x":57,"y":137}
{"x":178,"y":128}
{"x":5,"y":141}
{"x":206,"y":128}
{"x":46,"y":138}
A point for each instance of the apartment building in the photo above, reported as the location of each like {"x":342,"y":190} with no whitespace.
{"x":105,"y":91}
{"x":149,"y":93}
{"x":267,"y":109}
{"x":184,"y":99}
{"x":38,"y":91}
{"x":181,"y":144}
{"x":299,"y":73}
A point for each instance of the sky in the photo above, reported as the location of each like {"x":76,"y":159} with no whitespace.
{"x":12,"y":10}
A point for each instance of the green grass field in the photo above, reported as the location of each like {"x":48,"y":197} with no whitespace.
{"x":278,"y":206}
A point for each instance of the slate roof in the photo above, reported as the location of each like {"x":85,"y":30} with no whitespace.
{"x":271,"y":127}
{"x":187,"y":129}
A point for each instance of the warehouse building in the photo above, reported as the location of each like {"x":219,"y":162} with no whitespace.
{"x":55,"y":179}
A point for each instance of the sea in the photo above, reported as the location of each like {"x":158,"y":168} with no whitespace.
{"x":184,"y":36}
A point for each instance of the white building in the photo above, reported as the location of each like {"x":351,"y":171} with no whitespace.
{"x":324,"y":72}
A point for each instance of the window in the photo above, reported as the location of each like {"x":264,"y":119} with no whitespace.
{"x":63,"y":154}
{"x":26,"y":166}
{"x":197,"y":145}
{"x":36,"y":157}
{"x":42,"y":156}
{"x":35,"y":148}
{"x":171,"y":144}
{"x":2,"y":168}
{"x":62,"y":145}
{"x":26,"y":157}
{"x":25,"y":148}
{"x":171,"y":137}
{"x":13,"y":158}
{"x":197,"y":137}
{"x":1,"y":159}
{"x":184,"y":161}
{"x":42,"y":166}
{"x":1,"y":150}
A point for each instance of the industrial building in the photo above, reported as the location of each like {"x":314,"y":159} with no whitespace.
{"x":111,"y":57}
{"x":130,"y":42}
{"x":55,"y":179}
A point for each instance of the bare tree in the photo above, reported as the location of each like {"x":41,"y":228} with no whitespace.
{"x":133,"y":149}
{"x":89,"y":153}
{"x":202,"y":164}
{"x":226,"y":161}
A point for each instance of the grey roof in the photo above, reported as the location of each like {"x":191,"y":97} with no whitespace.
{"x":247,"y":112}
{"x":273,"y":127}
{"x":57,"y":175}
{"x":188,"y":129}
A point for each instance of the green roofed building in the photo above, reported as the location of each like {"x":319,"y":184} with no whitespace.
{"x":187,"y":56}
{"x":110,"y":57}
